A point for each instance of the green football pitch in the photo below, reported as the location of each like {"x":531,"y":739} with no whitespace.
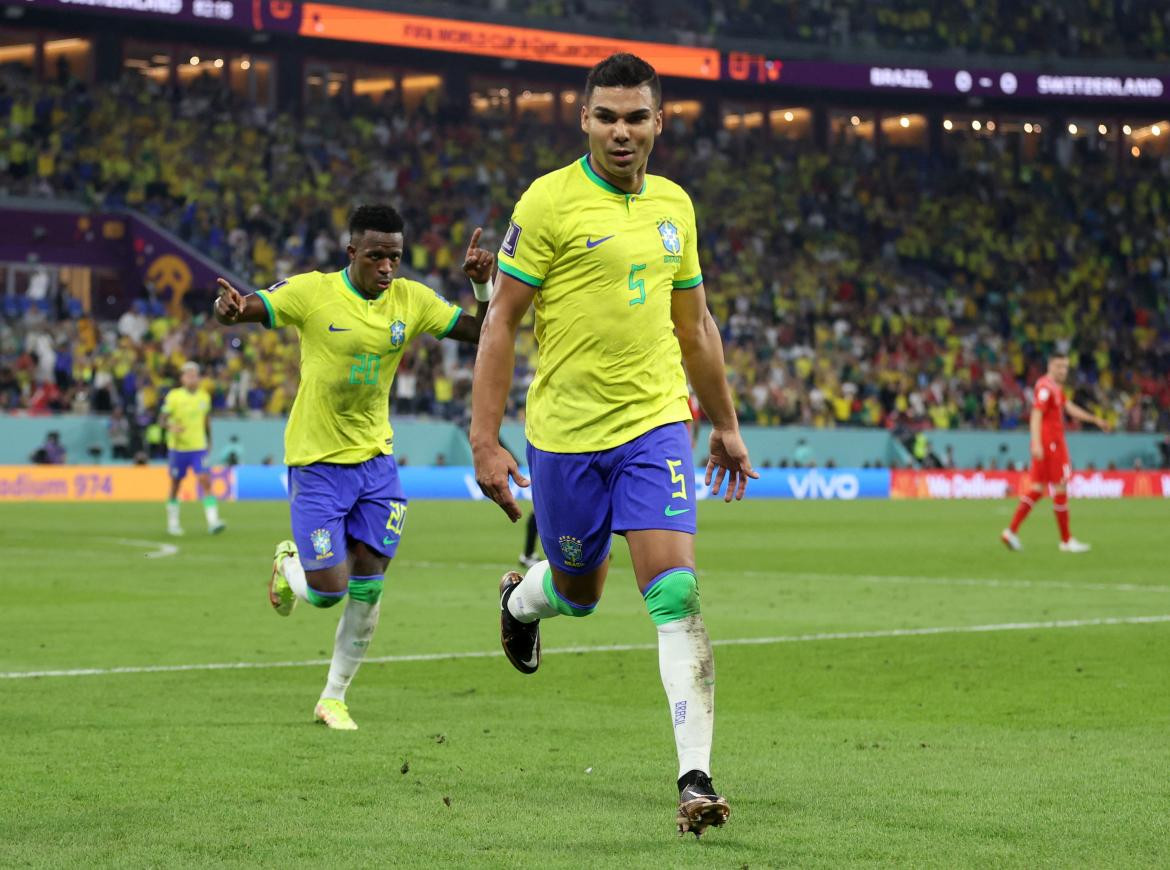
{"x":894,"y":688}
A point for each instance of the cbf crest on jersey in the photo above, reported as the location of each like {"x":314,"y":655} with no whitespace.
{"x":670,"y":239}
{"x":397,"y":334}
{"x":322,"y":543}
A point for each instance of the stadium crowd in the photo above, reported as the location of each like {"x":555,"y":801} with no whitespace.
{"x":853,"y":288}
{"x":1064,"y":28}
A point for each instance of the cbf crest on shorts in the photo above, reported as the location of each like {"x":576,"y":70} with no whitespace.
{"x":397,"y":334}
{"x":573,"y":551}
{"x":322,"y":543}
{"x":670,"y":239}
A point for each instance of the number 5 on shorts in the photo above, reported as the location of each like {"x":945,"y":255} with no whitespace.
{"x":678,"y":477}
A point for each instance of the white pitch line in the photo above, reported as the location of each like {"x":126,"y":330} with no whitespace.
{"x":157,"y":549}
{"x":909,"y":579}
{"x":620,"y":647}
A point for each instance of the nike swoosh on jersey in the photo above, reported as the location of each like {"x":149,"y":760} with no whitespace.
{"x":671,"y":512}
{"x":333,"y":328}
{"x":589,"y":243}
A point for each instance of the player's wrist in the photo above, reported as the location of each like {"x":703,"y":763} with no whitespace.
{"x":481,"y":289}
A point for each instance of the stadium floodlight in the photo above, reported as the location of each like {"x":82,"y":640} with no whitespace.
{"x":947,"y":125}
{"x":855,"y":120}
{"x":976,"y":125}
{"x":219,"y":63}
{"x":1072,"y":129}
{"x":1102,"y":129}
{"x":194,"y":60}
{"x":1127,"y":129}
{"x":1135,"y":151}
{"x":1156,"y":130}
{"x":991,"y":126}
{"x":904,"y":121}
{"x":245,"y":64}
{"x":1028,"y":127}
{"x":788,"y":116}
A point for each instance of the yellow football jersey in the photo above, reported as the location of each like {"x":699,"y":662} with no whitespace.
{"x":350,"y":349}
{"x":606,"y":263}
{"x":189,"y":410}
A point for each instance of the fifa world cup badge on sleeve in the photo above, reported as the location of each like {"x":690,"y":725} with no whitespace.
{"x":511,"y":239}
{"x":322,"y":543}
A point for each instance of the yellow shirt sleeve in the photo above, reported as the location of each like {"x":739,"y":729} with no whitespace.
{"x":688,"y":274}
{"x":436,"y":316}
{"x":289,"y":302}
{"x":530,"y":242}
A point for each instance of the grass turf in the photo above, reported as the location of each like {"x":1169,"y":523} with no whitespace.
{"x":1028,"y":747}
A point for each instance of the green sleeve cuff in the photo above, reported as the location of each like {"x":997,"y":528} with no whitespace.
{"x":451,"y":325}
{"x":688,"y":283}
{"x":271,"y":324}
{"x":520,"y":275}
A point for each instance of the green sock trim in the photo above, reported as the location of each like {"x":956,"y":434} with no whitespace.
{"x":209,"y":501}
{"x":173,"y":501}
{"x":672,"y":596}
{"x":318,"y":599}
{"x":367,"y":589}
{"x":564,"y":606}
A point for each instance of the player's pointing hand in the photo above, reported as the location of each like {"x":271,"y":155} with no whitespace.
{"x":477,"y":265}
{"x":230,"y":303}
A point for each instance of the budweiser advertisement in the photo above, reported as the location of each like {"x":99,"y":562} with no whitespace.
{"x":1009,"y":484}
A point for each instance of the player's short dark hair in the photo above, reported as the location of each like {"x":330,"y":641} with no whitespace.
{"x":1060,"y":349}
{"x":379,"y":218}
{"x":623,"y":70}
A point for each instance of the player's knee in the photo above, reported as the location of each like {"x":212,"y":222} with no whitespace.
{"x":672,"y":595}
{"x":367,"y":589}
{"x":564,"y":605}
{"x":320,"y":598}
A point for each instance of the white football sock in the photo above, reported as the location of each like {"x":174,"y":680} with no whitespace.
{"x":294,"y":573}
{"x":528,"y":601}
{"x":211,"y":512}
{"x":688,"y":675}
{"x":353,"y":639}
{"x":172,"y":514}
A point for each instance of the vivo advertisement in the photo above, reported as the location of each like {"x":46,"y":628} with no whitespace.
{"x":271,"y":482}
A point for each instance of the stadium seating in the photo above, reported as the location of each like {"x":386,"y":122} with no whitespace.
{"x":852,"y":288}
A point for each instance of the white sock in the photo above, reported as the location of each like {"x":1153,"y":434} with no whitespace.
{"x":294,"y":573}
{"x":211,"y":512}
{"x":528,"y":601}
{"x":688,"y":675}
{"x":353,"y":639}
{"x":172,"y":514}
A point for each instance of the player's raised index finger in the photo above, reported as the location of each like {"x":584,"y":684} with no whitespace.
{"x":474,"y":243}
{"x":225,"y":287}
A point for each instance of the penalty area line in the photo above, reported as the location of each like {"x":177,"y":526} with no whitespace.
{"x":621,"y":647}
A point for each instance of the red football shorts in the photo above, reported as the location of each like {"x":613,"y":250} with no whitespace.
{"x":1054,"y":468}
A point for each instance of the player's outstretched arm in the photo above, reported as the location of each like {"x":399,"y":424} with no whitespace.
{"x":702,"y":353}
{"x":477,"y":265}
{"x":1078,"y":413}
{"x":489,"y":392}
{"x":232,"y":306}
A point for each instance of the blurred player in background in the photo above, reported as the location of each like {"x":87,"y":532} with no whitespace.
{"x":1050,"y":459}
{"x":186,"y":418}
{"x":609,"y":256}
{"x":346,"y":501}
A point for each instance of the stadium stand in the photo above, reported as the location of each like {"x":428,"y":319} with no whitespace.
{"x":854,"y":288}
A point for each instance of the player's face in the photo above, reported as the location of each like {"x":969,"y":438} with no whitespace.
{"x":621,"y":124}
{"x":1058,"y":369}
{"x":189,"y":379}
{"x":374,"y":257}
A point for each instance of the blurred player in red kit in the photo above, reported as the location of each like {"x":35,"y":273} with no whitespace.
{"x":1050,"y":461}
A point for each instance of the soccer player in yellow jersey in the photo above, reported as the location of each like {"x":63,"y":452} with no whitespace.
{"x":186,"y":418}
{"x":345,"y":498}
{"x":609,"y":256}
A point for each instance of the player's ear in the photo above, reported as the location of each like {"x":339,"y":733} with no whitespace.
{"x":584,"y":118}
{"x":658,"y":121}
